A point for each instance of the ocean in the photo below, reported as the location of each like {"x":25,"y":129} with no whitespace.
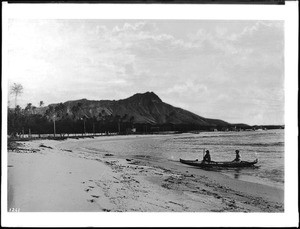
{"x":266,"y":145}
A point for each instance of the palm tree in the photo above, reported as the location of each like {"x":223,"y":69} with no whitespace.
{"x":50,"y":112}
{"x":17,"y":117}
{"x":94,"y":119}
{"x":33,"y":109}
{"x":16,"y":89}
{"x":118,"y":120}
{"x":28,"y":108}
{"x":101,"y":118}
{"x":84,"y":119}
{"x":18,"y":109}
{"x":74,"y":111}
{"x":131,"y":121}
{"x":121,"y":120}
{"x":60,"y":109}
{"x":124,"y":117}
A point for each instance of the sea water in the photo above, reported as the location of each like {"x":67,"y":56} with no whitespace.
{"x":265,"y":145}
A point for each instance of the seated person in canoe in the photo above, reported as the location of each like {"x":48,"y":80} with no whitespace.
{"x":206,"y":157}
{"x":237,"y":156}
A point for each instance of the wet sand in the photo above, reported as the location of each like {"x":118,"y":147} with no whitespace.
{"x":59,"y":176}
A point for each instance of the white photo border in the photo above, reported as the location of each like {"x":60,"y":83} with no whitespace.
{"x":287,"y":13}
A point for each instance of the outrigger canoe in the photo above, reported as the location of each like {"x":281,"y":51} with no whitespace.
{"x":224,"y":164}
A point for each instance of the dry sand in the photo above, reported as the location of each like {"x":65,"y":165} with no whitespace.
{"x":59,"y":176}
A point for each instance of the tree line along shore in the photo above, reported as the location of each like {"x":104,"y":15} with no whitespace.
{"x":25,"y":123}
{"x":142,"y":113}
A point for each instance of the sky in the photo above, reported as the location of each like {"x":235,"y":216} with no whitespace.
{"x":229,"y":70}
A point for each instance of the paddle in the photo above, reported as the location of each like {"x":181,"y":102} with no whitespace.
{"x":203,"y":154}
{"x":256,"y":156}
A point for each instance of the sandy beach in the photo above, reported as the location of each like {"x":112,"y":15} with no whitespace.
{"x":59,"y":176}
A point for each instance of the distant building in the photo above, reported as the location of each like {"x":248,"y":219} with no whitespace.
{"x":130,"y":130}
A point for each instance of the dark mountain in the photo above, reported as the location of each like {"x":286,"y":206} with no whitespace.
{"x":146,"y":108}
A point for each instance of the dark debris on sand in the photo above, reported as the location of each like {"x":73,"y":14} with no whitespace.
{"x":14,"y":146}
{"x":42,"y":145}
{"x":108,"y":155}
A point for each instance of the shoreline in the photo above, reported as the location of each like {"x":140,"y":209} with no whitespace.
{"x":58,"y":137}
{"x":80,"y":180}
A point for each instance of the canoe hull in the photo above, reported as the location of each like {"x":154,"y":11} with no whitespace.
{"x":214,"y":164}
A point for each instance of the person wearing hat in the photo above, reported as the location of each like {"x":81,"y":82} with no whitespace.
{"x":206,"y":157}
{"x":237,"y":156}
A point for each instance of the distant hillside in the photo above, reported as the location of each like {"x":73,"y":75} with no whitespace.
{"x":146,"y":108}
